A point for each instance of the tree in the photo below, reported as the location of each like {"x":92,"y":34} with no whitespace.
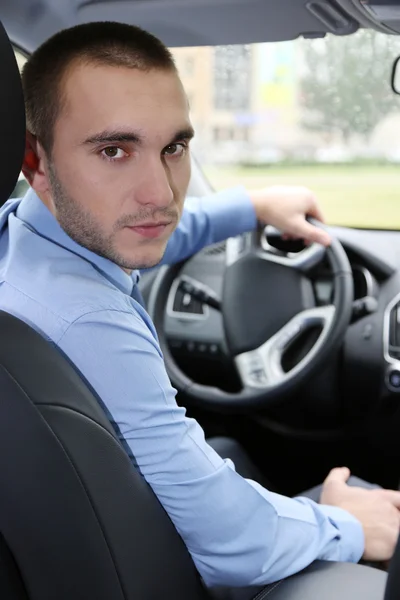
{"x":345,"y":87}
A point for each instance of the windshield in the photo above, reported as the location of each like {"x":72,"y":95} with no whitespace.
{"x":315,"y":112}
{"x":318,"y":113}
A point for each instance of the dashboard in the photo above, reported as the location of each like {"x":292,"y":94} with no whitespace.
{"x":364,"y":284}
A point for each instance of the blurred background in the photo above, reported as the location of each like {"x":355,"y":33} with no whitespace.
{"x":315,"y":112}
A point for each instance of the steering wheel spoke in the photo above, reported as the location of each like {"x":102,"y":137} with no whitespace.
{"x":252,"y":242}
{"x":303,"y":261}
{"x":262,"y":368}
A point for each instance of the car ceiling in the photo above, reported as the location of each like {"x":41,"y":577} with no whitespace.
{"x":201,"y":22}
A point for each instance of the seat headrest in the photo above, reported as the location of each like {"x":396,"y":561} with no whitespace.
{"x":12,"y":119}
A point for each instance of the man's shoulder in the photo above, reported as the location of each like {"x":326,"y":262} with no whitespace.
{"x":51,"y":286}
{"x":71,"y":292}
{"x":53,"y":294}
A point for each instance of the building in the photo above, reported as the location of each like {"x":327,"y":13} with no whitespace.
{"x":243,"y":100}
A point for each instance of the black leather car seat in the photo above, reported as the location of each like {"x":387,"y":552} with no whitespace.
{"x":77,"y":521}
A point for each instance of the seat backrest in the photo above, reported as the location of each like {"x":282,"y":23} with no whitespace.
{"x":12,"y":119}
{"x":76,"y":519}
{"x":79,"y":520}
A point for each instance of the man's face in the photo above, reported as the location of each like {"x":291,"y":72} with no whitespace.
{"x":120,"y":164}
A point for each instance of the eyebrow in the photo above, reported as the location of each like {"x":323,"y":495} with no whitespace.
{"x":110,"y":136}
{"x":184,"y":134}
{"x":120,"y":136}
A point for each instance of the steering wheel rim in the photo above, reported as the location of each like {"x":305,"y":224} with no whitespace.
{"x":251,"y":398}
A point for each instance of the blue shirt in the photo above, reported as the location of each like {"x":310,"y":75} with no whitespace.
{"x":237,"y":532}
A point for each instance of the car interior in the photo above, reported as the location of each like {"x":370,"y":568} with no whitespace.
{"x":306,"y":379}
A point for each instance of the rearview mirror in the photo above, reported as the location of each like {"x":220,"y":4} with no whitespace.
{"x":396,"y":76}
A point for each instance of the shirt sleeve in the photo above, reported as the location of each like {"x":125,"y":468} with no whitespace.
{"x":209,"y":220}
{"x":237,"y":532}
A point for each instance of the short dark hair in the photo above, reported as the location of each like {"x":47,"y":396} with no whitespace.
{"x":101,"y":43}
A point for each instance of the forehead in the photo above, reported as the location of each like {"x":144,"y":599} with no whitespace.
{"x":97,"y":97}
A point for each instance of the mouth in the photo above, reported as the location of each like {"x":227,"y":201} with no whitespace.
{"x":151,"y":230}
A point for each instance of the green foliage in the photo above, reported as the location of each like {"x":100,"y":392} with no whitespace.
{"x":346,"y":84}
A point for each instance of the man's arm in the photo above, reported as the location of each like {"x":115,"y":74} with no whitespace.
{"x":234,"y":211}
{"x":237,"y":532}
{"x":208,"y":220}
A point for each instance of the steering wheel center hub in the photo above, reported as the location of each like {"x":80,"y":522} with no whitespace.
{"x":259,"y":298}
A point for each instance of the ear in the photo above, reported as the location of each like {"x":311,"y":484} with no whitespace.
{"x":33,"y":165}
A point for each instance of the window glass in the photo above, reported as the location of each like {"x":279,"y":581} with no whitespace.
{"x":22,"y":184}
{"x":315,"y":112}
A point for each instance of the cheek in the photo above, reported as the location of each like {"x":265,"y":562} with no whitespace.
{"x":181,"y":172}
{"x":95,"y":187}
{"x":87,"y":175}
{"x":82,"y":170}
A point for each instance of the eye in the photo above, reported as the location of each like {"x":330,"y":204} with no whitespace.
{"x":113,"y":153}
{"x":175,"y":149}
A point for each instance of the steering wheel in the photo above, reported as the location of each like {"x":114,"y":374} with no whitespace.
{"x":268,"y":303}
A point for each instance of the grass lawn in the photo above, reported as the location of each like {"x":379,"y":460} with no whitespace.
{"x":354,"y":195}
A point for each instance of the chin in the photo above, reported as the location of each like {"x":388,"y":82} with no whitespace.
{"x":145,"y":260}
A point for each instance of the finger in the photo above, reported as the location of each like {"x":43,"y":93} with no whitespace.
{"x":338,"y":475}
{"x":309,"y":232}
{"x":393,"y":497}
{"x":290,"y":238}
{"x":315,"y":211}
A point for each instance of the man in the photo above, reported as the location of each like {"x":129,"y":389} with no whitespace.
{"x":107,"y":157}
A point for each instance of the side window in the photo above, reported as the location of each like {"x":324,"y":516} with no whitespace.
{"x":21,"y":188}
{"x":21,"y":58}
{"x":22,"y":184}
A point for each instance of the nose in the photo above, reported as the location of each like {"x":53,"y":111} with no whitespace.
{"x":154,"y":183}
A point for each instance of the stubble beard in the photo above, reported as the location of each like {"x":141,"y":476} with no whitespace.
{"x":81,"y":226}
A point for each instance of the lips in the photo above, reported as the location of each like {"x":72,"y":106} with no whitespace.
{"x":150,"y":230}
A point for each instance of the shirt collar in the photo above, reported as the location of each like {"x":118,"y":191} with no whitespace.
{"x":37,"y":216}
